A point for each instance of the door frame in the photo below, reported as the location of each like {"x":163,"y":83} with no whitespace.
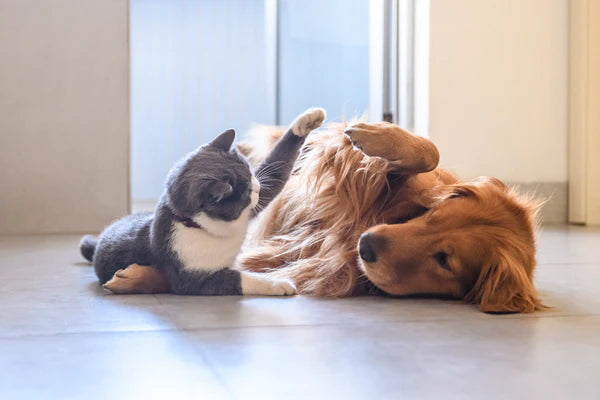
{"x":584,"y":112}
{"x":398,"y":70}
{"x":399,"y":63}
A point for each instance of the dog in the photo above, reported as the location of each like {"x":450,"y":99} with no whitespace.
{"x":367,"y":210}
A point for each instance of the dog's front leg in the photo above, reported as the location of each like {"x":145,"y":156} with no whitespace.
{"x":407,"y":153}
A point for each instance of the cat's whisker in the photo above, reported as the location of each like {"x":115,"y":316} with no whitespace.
{"x":269,"y":168}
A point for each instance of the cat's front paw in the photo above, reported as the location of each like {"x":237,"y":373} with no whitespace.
{"x":308,"y":121}
{"x":282,"y":287}
{"x":263,"y":285}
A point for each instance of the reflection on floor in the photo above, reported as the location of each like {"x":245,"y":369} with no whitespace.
{"x":61,"y":336}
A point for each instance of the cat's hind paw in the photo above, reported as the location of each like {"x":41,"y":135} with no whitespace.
{"x":137,"y":279}
{"x":308,"y":121}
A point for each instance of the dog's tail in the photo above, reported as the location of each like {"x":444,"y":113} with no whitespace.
{"x":87,"y":246}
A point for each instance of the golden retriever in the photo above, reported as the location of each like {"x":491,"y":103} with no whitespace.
{"x":368,"y":210}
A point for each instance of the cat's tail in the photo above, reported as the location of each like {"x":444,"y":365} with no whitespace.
{"x":87,"y":246}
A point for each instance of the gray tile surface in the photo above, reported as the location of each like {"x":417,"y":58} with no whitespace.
{"x":62,"y":337}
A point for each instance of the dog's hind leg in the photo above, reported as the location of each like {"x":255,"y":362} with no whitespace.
{"x":407,"y":153}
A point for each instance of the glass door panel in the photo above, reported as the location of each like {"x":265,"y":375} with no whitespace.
{"x":323,"y":57}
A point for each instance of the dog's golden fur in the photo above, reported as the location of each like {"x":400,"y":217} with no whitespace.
{"x":429,"y":233}
{"x":310,"y":233}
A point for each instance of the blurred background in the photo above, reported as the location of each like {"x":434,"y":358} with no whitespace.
{"x":99,"y":99}
{"x":199,"y":67}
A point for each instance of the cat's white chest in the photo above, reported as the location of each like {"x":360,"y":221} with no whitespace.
{"x":213,"y":247}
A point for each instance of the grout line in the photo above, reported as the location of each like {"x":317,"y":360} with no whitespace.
{"x":287,"y":326}
{"x":222,"y":380}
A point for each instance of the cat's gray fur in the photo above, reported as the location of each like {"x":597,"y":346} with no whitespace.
{"x":213,"y":183}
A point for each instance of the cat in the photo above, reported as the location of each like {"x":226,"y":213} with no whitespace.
{"x":201,"y":220}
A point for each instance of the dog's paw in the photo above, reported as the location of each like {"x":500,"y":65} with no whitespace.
{"x":360,"y":134}
{"x":372,"y":139}
{"x":308,"y":121}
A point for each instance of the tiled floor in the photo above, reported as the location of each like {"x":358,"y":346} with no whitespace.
{"x":62,"y":337}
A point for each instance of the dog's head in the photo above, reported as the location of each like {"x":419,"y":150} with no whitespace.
{"x":476,"y":242}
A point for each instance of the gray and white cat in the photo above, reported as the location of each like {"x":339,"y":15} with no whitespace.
{"x":200,"y":223}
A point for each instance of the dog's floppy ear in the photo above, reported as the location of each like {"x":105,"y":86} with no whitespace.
{"x":504,"y":286}
{"x":224,"y":141}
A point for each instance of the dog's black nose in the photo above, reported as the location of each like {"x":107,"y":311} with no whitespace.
{"x":367,"y":247}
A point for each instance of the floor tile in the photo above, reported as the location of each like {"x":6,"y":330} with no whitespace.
{"x":62,"y":336}
{"x":569,"y":289}
{"x":535,"y":358}
{"x":568,"y":245}
{"x":139,"y":365}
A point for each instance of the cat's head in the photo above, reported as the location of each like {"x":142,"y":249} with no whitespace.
{"x":213,"y":180}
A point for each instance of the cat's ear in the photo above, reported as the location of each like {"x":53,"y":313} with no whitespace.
{"x":219,"y":191}
{"x":224,"y":141}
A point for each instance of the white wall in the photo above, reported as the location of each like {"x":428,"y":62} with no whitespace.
{"x":64,"y":96}
{"x":498,"y":88}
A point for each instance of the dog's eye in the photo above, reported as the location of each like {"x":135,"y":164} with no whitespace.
{"x":442,"y":260}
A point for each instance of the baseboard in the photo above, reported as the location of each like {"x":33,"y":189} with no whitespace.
{"x":556,"y":208}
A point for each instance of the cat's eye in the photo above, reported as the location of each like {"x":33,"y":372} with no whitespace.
{"x":442,"y":260}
